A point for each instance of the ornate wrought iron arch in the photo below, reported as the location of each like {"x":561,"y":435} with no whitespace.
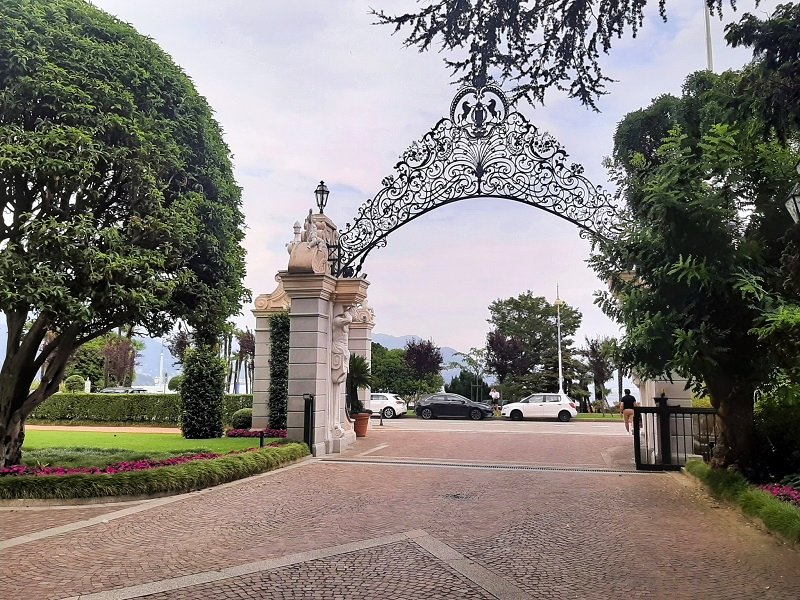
{"x":482,"y":150}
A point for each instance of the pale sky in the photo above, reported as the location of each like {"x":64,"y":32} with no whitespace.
{"x":309,"y":89}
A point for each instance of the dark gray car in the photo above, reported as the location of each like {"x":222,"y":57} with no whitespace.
{"x":452,"y":405}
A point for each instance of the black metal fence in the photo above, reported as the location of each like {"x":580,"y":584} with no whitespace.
{"x":665,"y":437}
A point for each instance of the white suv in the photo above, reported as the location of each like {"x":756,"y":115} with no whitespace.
{"x":541,"y":406}
{"x":390,"y":405}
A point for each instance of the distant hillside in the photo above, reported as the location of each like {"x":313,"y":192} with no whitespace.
{"x":398,"y":343}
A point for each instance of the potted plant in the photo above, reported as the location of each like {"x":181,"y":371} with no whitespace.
{"x":358,"y":377}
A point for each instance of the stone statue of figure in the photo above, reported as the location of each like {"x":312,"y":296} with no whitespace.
{"x":340,"y":350}
{"x":311,"y":234}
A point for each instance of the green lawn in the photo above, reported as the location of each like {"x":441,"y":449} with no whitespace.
{"x":86,"y":449}
{"x":599,"y":417}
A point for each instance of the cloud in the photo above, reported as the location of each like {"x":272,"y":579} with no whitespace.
{"x":309,"y":90}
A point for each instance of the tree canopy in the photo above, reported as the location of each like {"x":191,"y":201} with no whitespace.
{"x":705,"y":243}
{"x":536,"y":44}
{"x":522,"y":347}
{"x":119,"y":202}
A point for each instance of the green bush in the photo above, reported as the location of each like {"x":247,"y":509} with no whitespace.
{"x":74,"y":383}
{"x":778,"y":516}
{"x":201,"y":394}
{"x":777,"y":423}
{"x":174,"y":384}
{"x":176,"y":479}
{"x":126,"y":408}
{"x":242,"y":419}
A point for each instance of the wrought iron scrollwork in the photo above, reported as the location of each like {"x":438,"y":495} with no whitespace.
{"x":482,"y":150}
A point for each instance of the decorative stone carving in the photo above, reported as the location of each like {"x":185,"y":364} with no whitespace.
{"x":277,"y":301}
{"x":365,"y":314}
{"x":340,"y":350}
{"x":340,"y":365}
{"x":310,"y":254}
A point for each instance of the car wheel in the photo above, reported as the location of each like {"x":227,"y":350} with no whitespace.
{"x":475,"y":414}
{"x":564,"y":416}
{"x":426,"y":413}
{"x":388,"y":413}
{"x":516,"y":415}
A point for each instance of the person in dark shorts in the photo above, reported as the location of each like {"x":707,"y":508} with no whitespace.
{"x":626,"y":404}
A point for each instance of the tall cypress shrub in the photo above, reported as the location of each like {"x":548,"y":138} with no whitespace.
{"x":202,"y":393}
{"x":279,"y":370}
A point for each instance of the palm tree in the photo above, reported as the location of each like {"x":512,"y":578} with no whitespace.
{"x":358,"y":377}
{"x":598,"y":355}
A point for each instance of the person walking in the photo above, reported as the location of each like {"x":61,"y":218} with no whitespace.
{"x":626,"y":404}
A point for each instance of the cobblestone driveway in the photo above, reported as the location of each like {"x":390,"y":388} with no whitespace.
{"x":433,"y":514}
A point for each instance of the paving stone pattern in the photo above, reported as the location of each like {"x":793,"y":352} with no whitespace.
{"x":15,"y":522}
{"x":401,"y":571}
{"x":552,"y":534}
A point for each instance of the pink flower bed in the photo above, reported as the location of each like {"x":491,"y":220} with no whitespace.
{"x":268,"y":433}
{"x":783,"y":492}
{"x":122,"y":467}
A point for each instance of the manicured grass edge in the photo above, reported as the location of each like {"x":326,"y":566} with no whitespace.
{"x":778,"y":517}
{"x":174,"y":480}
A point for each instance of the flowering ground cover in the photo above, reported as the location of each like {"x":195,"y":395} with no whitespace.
{"x":256,"y":433}
{"x":783,"y":492}
{"x":147,"y":477}
{"x":120,"y":467}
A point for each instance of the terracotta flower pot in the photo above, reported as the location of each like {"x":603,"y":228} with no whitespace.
{"x":360,"y":423}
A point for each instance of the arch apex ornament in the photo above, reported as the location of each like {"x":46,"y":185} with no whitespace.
{"x":482,"y":150}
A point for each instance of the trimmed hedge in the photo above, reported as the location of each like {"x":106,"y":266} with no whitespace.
{"x":126,"y":408}
{"x":778,"y":516}
{"x":176,"y":479}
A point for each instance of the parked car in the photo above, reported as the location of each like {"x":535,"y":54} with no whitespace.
{"x":452,"y":405}
{"x":123,"y":390}
{"x":541,"y":406}
{"x":388,"y":404}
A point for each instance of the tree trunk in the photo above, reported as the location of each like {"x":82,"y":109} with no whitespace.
{"x":736,"y":438}
{"x":12,"y":435}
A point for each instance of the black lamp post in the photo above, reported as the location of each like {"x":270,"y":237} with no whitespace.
{"x":793,"y":203}
{"x":322,"y":196}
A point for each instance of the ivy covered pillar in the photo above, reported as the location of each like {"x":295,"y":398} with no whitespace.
{"x":266,"y":306}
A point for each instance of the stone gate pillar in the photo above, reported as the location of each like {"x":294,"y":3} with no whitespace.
{"x":361,"y":340}
{"x":309,"y":353}
{"x":322,"y":310}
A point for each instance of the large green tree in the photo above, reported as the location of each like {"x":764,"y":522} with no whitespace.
{"x":391,"y":373}
{"x":704,"y":240}
{"x":537,"y":44}
{"x":522,"y":347}
{"x":771,"y":83}
{"x":119,"y":203}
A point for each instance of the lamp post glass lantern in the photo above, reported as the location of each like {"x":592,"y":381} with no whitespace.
{"x":321,"y":194}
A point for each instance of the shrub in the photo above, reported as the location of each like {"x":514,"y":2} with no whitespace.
{"x":173,"y":479}
{"x":126,"y":408}
{"x":74,"y":383}
{"x":174,"y":384}
{"x":242,"y":419}
{"x":201,"y":394}
{"x":777,"y":421}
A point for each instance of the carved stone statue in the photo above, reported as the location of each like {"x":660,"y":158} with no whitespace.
{"x":340,"y":350}
{"x":308,"y":253}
